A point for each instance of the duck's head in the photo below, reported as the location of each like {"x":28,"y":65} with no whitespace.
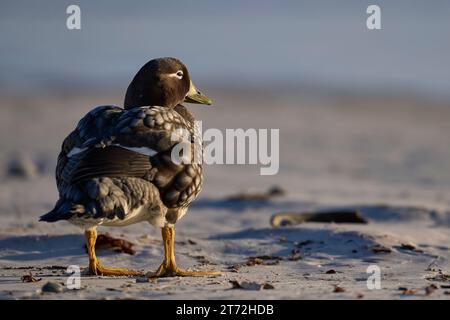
{"x":163,"y":82}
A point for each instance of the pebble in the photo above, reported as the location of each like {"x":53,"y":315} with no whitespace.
{"x":52,"y":287}
{"x":245,"y":285}
{"x":22,"y":166}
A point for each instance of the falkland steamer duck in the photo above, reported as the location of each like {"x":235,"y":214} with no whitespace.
{"x":116,"y":169}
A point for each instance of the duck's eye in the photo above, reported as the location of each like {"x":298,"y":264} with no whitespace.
{"x":180,"y":74}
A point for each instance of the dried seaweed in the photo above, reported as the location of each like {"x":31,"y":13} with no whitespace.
{"x":338,"y":289}
{"x":30,"y":278}
{"x":292,"y":218}
{"x":107,"y":242}
{"x":410,"y":247}
{"x":440,"y":276}
{"x":263,"y":260}
{"x":274,"y":191}
{"x":378,"y":248}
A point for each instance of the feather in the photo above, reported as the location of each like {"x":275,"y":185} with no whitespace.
{"x":110,"y":162}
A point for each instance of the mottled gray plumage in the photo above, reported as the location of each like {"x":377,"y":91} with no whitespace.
{"x":104,"y":178}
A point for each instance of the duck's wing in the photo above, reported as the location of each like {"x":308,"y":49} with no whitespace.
{"x":155,"y":131}
{"x":95,"y":128}
{"x":112,"y":142}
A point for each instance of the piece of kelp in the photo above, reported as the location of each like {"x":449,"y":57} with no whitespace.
{"x":107,"y":242}
{"x":291,"y":218}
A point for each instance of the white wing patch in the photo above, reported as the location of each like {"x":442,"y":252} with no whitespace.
{"x":142,"y":150}
{"x":75,"y":151}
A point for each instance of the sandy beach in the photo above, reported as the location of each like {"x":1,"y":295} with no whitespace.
{"x":386,"y":157}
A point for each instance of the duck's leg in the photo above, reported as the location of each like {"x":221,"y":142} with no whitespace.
{"x":168,"y":267}
{"x":94,"y":265}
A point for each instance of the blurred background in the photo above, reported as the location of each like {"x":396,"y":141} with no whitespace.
{"x":364,"y":115}
{"x":238,"y":43}
{"x":364,"y":120}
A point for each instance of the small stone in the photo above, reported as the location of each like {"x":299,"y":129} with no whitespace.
{"x":245,"y":285}
{"x":268,"y":286}
{"x":276,"y":191}
{"x":52,"y":287}
{"x":22,"y":166}
{"x":295,"y":255}
{"x":338,"y":289}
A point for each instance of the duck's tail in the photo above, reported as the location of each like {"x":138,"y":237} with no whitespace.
{"x":63,"y":210}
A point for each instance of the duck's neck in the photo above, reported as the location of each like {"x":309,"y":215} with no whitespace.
{"x":142,"y":101}
{"x":185,"y":113}
{"x":143,"y":94}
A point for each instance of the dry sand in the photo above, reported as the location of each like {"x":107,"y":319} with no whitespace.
{"x":388,"y":158}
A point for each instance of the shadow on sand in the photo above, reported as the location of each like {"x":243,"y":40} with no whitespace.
{"x":371,"y":212}
{"x":242,"y":205}
{"x":39,"y":247}
{"x":282,"y":242}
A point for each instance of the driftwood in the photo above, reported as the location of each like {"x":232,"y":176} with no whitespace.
{"x":292,"y":218}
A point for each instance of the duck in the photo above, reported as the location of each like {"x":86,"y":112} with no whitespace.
{"x":116,"y":168}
